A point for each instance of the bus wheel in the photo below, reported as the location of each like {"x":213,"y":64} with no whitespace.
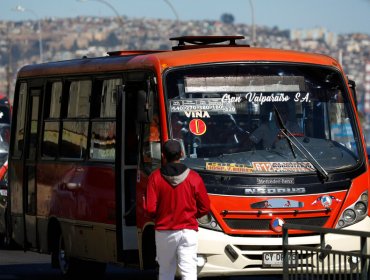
{"x":2,"y":240}
{"x":72,"y":268}
{"x":6,"y":241}
{"x":68,"y":266}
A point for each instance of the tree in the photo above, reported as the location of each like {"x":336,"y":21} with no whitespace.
{"x":227,"y":18}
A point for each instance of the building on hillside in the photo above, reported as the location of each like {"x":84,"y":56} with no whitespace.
{"x":367,"y":91}
{"x":314,"y":35}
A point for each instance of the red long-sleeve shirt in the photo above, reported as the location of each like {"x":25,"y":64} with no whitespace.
{"x":178,"y":204}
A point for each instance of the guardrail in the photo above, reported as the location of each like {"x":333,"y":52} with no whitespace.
{"x":322,"y":262}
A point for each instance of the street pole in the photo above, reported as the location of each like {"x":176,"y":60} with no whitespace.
{"x":9,"y":70}
{"x":173,"y":9}
{"x":253,"y":24}
{"x":176,"y":15}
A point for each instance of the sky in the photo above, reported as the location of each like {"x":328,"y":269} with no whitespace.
{"x":338,"y":16}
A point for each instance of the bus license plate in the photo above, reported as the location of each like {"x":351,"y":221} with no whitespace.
{"x":275,"y":259}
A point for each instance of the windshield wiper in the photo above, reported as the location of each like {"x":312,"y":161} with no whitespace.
{"x":323,"y":174}
{"x":284,"y":130}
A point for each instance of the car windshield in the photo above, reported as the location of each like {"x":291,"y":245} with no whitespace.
{"x":264,"y":118}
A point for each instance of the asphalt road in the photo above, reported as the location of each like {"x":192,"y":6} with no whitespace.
{"x":20,"y":265}
{"x":15,"y":264}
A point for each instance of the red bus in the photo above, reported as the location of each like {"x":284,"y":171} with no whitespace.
{"x":274,"y":134}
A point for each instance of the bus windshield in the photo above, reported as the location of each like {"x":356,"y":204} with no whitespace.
{"x":264,"y":118}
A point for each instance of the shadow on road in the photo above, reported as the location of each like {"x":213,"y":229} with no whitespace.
{"x":43,"y":271}
{"x":20,"y":265}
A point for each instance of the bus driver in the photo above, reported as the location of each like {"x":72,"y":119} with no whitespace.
{"x":268,"y":131}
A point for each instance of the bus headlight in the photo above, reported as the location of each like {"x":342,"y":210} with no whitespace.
{"x":201,"y":261}
{"x":206,"y":219}
{"x":360,"y":208}
{"x":355,"y":212}
{"x":209,"y":222}
{"x":364,"y":197}
{"x":349,"y":215}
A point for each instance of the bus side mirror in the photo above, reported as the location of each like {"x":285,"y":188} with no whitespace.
{"x":144,"y":106}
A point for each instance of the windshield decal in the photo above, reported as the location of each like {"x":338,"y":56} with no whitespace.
{"x":206,"y":104}
{"x":260,"y":98}
{"x":229,"y":167}
{"x":271,"y":167}
{"x":277,"y":203}
{"x":301,"y":97}
{"x":197,"y":114}
{"x":197,"y":127}
{"x":227,"y":98}
{"x":278,"y":97}
{"x":283,"y":167}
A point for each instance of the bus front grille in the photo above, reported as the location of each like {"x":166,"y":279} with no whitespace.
{"x":264,"y":224}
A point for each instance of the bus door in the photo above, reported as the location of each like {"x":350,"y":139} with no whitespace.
{"x":126,"y":168}
{"x":29,"y":184}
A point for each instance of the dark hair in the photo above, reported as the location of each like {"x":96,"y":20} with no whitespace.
{"x":172,"y":150}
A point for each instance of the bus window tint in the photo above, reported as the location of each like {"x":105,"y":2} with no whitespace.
{"x":33,"y":133}
{"x":56,"y":94}
{"x":50,"y":140}
{"x":103,"y":140}
{"x":19,"y":132}
{"x":75,"y":127}
{"x":51,"y":123}
{"x":79,"y":95}
{"x":74,"y":139}
{"x":108,"y":98}
{"x":103,"y":128}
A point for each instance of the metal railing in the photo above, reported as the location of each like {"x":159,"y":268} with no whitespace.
{"x":322,"y":262}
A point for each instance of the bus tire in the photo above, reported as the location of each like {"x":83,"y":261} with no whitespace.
{"x":6,"y":241}
{"x":73,"y":268}
{"x":68,"y":266}
{"x":2,"y":241}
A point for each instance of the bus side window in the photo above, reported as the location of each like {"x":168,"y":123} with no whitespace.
{"x":75,"y":125}
{"x":20,"y":119}
{"x":103,"y":125}
{"x":50,"y":138}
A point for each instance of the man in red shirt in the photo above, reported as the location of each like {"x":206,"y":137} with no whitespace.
{"x":175,"y":198}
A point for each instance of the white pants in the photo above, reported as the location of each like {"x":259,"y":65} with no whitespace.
{"x":177,"y":247}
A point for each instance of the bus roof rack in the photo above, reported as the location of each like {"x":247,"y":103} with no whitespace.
{"x":205,"y":42}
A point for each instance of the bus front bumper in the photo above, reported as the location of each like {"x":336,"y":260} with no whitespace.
{"x":220,"y":254}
